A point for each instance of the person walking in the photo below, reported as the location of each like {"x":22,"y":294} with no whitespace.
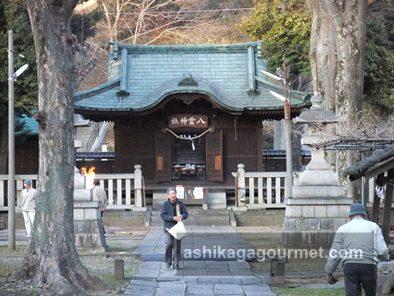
{"x":99,"y":194}
{"x":28,"y":206}
{"x":357,"y":244}
{"x":173,"y":211}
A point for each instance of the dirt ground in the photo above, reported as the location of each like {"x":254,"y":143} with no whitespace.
{"x":121,"y":244}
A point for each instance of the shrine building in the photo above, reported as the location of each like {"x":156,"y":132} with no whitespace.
{"x":187,"y":114}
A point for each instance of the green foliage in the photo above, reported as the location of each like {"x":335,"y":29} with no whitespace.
{"x":14,"y":16}
{"x":379,"y":61}
{"x":284,"y":27}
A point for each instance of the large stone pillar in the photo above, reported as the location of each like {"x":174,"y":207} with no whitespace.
{"x":88,"y":230}
{"x":318,"y":205}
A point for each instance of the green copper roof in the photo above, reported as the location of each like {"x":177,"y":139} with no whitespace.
{"x":30,"y":125}
{"x":142,"y":76}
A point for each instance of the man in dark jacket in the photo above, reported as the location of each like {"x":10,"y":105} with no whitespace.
{"x":173,"y":211}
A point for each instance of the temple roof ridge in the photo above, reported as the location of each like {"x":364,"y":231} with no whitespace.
{"x":185,"y":47}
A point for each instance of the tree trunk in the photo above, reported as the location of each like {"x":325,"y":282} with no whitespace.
{"x":322,"y":53}
{"x":337,"y":57}
{"x":337,"y":53}
{"x":52,"y":259}
{"x":349,"y":19}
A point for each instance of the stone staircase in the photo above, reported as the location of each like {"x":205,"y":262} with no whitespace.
{"x":197,"y":217}
{"x":124,"y":219}
{"x":217,"y":200}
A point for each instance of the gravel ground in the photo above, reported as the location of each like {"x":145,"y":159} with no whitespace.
{"x":299,"y":272}
{"x":121,"y":245}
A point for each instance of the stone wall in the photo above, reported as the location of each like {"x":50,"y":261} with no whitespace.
{"x":270,"y":217}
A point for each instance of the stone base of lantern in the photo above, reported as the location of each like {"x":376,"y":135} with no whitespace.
{"x":88,"y":229}
{"x":312,"y":222}
{"x":317,"y":208}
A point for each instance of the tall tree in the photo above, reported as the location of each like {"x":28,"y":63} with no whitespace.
{"x":284,"y":27}
{"x":52,"y":258}
{"x":338,"y":53}
{"x":379,"y":57}
{"x":337,"y":59}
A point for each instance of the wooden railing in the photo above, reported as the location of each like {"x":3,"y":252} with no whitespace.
{"x":259,"y":190}
{"x":124,"y":191}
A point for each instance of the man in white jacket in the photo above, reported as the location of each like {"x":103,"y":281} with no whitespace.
{"x":357,"y":244}
{"x":28,"y":207}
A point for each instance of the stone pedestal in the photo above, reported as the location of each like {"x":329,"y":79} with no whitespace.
{"x":385,"y":280}
{"x":318,"y":205}
{"x":88,"y":229}
{"x":313,"y":221}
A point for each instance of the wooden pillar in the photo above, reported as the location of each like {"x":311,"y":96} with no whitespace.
{"x":388,"y":199}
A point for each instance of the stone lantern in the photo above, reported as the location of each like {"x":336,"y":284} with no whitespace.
{"x":88,"y":230}
{"x":318,"y":205}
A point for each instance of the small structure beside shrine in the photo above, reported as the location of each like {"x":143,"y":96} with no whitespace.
{"x":379,"y":166}
{"x":187,"y":114}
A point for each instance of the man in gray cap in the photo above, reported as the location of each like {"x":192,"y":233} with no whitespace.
{"x":28,"y":205}
{"x":357,"y":244}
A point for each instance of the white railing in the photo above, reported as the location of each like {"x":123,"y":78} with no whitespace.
{"x":124,"y":191}
{"x":259,"y":190}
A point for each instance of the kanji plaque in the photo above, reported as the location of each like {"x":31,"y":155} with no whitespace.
{"x":187,"y":120}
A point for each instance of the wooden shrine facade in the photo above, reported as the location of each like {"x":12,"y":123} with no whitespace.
{"x":186,"y":114}
{"x":168,"y":155}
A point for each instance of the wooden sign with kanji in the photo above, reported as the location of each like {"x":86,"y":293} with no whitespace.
{"x":187,"y":120}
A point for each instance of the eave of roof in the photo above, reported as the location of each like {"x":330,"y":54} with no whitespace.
{"x":361,"y":168}
{"x":30,"y":126}
{"x":108,"y":92}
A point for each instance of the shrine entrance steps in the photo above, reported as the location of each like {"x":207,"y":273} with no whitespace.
{"x":197,"y":217}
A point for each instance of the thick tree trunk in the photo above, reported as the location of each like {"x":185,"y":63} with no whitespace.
{"x":349,"y":19}
{"x":337,"y":57}
{"x":337,"y":53}
{"x":322,"y":53}
{"x":52,"y":259}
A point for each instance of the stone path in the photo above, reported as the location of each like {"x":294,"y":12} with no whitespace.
{"x":197,"y":276}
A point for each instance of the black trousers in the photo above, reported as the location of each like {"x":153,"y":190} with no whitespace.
{"x":359,"y":275}
{"x":171,"y":253}
{"x":101,"y":220}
